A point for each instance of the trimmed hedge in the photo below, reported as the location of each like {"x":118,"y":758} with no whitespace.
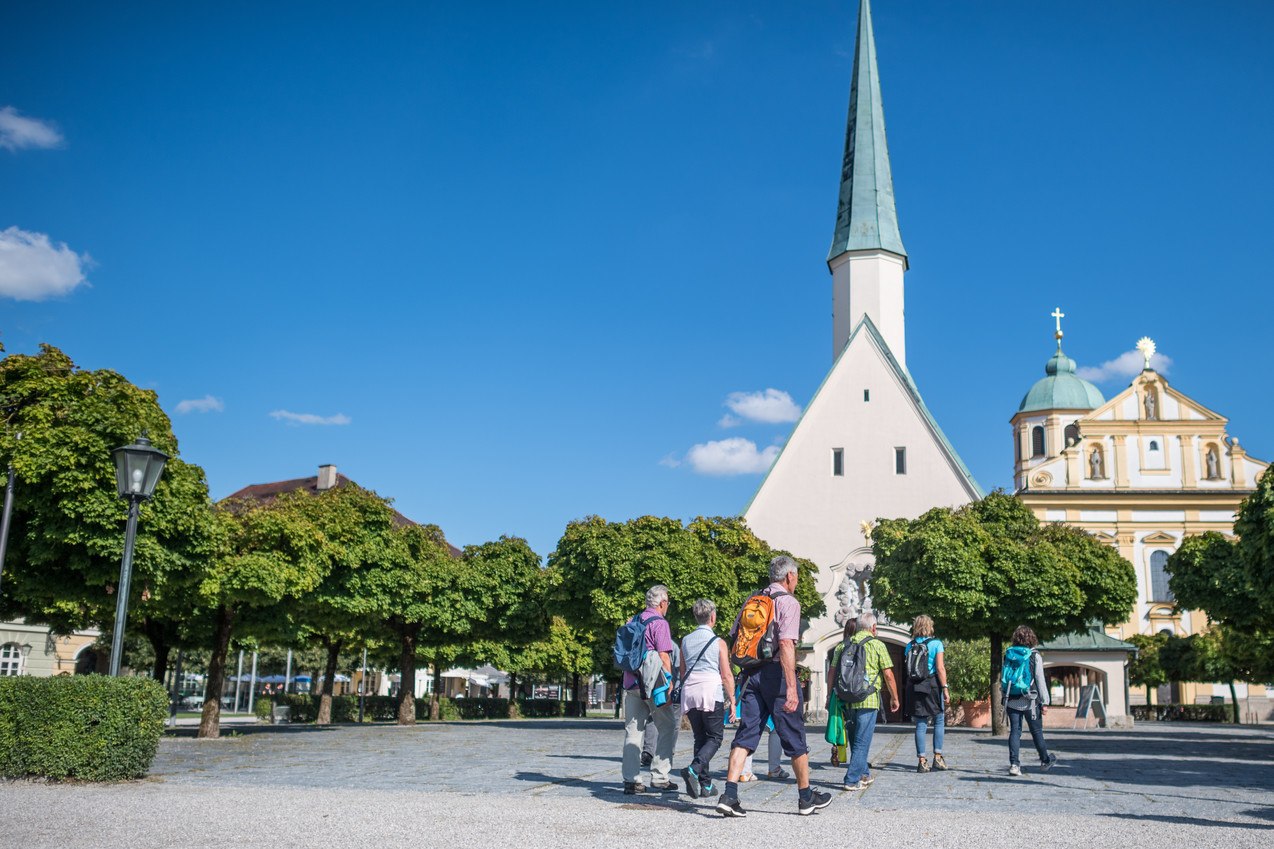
{"x":89,"y":727}
{"x":1181,"y":713}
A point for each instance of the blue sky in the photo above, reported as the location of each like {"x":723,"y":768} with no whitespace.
{"x":508,"y":263}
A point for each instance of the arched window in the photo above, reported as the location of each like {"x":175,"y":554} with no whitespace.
{"x":1159,"y":577}
{"x":1037,"y":441}
{"x":1154,"y":445}
{"x":10,"y":659}
{"x":1072,"y":434}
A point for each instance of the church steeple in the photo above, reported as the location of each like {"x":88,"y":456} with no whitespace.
{"x":866,"y":218}
{"x":867,"y":259}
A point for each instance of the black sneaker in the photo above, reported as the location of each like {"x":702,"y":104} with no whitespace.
{"x":667,"y":787}
{"x":818,"y":801}
{"x":632,"y":788}
{"x":1048,"y":764}
{"x":692,"y":782}
{"x":729,"y":806}
{"x":708,"y":790}
{"x":646,"y":759}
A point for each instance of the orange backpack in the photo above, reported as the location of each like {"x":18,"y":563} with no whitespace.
{"x":756,"y":638}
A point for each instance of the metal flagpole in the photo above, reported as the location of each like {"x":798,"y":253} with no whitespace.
{"x":287,"y":673}
{"x":252,"y":687}
{"x":238,"y":679}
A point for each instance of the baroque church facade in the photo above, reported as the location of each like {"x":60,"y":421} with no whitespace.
{"x":866,"y":445}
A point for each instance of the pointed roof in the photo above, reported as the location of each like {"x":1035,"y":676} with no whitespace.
{"x":868,"y":330}
{"x":866,"y":218}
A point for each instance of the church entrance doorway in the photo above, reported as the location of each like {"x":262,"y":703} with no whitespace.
{"x":897,"y":655}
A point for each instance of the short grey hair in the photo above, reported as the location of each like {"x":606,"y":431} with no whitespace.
{"x":703,"y":610}
{"x":866,"y":621}
{"x":781,"y":567}
{"x":656,"y":595}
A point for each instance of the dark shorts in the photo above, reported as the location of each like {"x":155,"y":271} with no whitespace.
{"x":764,"y":692}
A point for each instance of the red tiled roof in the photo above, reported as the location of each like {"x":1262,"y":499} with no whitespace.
{"x":267,"y":492}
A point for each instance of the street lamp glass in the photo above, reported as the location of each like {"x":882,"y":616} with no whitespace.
{"x":137,"y":468}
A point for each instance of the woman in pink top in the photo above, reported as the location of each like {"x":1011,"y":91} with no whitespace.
{"x":707,"y":692}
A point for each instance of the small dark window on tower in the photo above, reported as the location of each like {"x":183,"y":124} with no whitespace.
{"x":900,"y":461}
{"x":866,"y":394}
{"x":1037,"y":441}
{"x":1154,"y":445}
{"x":838,"y":462}
{"x":1072,"y":434}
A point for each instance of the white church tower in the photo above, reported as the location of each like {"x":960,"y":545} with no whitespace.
{"x":866,"y":446}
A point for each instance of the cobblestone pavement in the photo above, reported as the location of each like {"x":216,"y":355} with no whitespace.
{"x":557,"y":783}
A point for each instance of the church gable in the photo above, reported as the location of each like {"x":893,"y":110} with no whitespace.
{"x":866,"y":447}
{"x":1150,"y":398}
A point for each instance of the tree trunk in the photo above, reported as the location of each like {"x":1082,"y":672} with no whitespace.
{"x":1234,"y":700}
{"x":998,"y":727}
{"x":575,"y":696}
{"x":435,"y":699}
{"x":1150,"y":698}
{"x":513,"y":694}
{"x":159,"y":644}
{"x":210,"y":722}
{"x":407,"y":677}
{"x":329,"y":681}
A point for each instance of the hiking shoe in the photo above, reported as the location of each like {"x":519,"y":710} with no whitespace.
{"x":867,"y":781}
{"x":646,"y":759}
{"x":1048,"y":764}
{"x":666,"y":787}
{"x":922,"y":766}
{"x":939,"y":763}
{"x":729,"y":806}
{"x":692,"y":783}
{"x":857,"y":785}
{"x":778,"y":773}
{"x":817,"y":801}
{"x":708,"y":790}
{"x":632,"y":788}
{"x":1015,"y":770}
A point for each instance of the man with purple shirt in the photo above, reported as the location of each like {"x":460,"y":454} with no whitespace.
{"x":638,"y":711}
{"x":771,"y":692}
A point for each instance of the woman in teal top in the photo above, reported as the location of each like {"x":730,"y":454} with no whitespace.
{"x":927,"y":691}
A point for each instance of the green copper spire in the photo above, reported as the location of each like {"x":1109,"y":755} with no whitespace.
{"x":866,"y":218}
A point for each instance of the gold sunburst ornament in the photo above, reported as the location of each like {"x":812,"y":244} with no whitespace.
{"x":1146,"y":346}
{"x":867,"y":526}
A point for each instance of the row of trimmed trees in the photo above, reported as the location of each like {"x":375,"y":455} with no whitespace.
{"x":337,"y":570}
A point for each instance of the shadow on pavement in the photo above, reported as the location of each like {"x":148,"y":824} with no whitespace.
{"x":1191,"y":821}
{"x":245,"y":730}
{"x":613,"y":792}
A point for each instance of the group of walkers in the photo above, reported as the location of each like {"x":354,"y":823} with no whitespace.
{"x":663,"y":680}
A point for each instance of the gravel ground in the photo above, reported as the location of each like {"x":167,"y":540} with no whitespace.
{"x":556,"y":783}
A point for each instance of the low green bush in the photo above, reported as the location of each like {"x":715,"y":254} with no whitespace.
{"x":968,"y":665}
{"x":88,"y":727}
{"x":262,"y":707}
{"x":540,"y":708}
{"x":487,"y":708}
{"x":1181,"y":713}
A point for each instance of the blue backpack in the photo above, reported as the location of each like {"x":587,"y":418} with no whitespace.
{"x":630,"y":643}
{"x":1018,"y":672}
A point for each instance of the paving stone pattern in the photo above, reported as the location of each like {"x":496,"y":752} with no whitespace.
{"x":557,"y":783}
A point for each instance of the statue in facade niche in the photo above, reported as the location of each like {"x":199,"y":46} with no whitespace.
{"x":1096,"y":465}
{"x":1214,"y":465}
{"x":1151,"y":405}
{"x":854,"y":593}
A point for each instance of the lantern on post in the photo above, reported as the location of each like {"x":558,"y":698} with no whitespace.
{"x":137,"y":470}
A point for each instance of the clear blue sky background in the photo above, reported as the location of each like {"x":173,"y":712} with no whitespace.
{"x":529,"y":249}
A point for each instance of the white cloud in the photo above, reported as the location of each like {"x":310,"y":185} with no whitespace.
{"x":735,"y":456}
{"x":729,"y":420}
{"x":32,"y":268}
{"x":1127,"y":365}
{"x":206,"y":404}
{"x":670,"y":461}
{"x":18,"y":132}
{"x":771,"y":406}
{"x":309,"y":418}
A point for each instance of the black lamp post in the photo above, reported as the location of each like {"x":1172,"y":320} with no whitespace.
{"x":137,"y":470}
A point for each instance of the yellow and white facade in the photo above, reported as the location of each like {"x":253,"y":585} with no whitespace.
{"x":1141,"y":472}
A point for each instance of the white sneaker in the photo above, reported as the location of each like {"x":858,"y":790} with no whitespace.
{"x":1015,"y":770}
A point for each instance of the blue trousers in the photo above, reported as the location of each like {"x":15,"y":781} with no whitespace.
{"x":1033,"y":721}
{"x":863,"y":727}
{"x":922,"y":729}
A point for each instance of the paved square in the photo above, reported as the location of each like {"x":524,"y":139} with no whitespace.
{"x":547,"y":783}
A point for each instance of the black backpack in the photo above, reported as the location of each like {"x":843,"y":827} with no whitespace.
{"x":852,"y":684}
{"x":918,"y":661}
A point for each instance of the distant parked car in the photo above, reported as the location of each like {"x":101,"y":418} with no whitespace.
{"x":192,"y":702}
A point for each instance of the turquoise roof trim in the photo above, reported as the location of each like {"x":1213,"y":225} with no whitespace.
{"x":1061,"y":388}
{"x":1094,"y":639}
{"x":866,"y":218}
{"x":865,"y":324}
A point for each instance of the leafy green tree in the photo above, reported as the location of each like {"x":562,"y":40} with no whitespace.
{"x":273,"y":554}
{"x":984,"y":568}
{"x":1146,"y":670}
{"x":968,"y":665}
{"x":601,"y":570}
{"x":357,"y":526}
{"x":67,"y":535}
{"x":1222,"y":653}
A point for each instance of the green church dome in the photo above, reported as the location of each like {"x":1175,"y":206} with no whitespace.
{"x":1061,"y":389}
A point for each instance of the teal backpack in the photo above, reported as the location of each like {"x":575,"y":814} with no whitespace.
{"x":1018,"y":672}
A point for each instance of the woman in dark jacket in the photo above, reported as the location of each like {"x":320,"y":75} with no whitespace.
{"x":927,"y":691}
